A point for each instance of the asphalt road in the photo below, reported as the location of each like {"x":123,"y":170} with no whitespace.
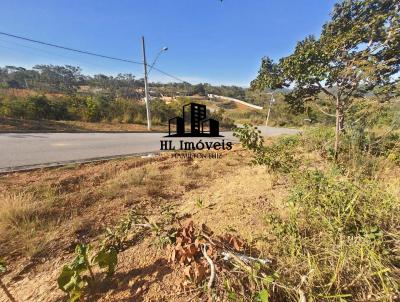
{"x":31,"y":150}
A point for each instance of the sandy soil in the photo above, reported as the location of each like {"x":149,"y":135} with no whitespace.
{"x":78,"y":202}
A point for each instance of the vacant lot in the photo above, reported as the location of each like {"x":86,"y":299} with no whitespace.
{"x":46,"y":213}
{"x":345,"y":251}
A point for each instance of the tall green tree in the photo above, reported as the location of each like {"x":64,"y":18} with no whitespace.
{"x":358,"y":52}
{"x":60,"y":78}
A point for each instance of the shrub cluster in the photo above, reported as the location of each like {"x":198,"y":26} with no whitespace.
{"x":90,"y":108}
{"x":336,"y":236}
{"x":279,"y":156}
{"x":97,"y":108}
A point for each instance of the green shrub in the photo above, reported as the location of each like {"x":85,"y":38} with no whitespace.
{"x":279,"y":156}
{"x":358,"y":147}
{"x":13,"y":107}
{"x":224,"y":120}
{"x":59,"y":110}
{"x":94,"y":109}
{"x":37,"y":107}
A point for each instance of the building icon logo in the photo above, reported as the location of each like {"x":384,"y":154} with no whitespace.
{"x":200,"y":125}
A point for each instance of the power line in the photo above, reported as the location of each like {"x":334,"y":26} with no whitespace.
{"x":170,"y":75}
{"x":89,"y":53}
{"x":70,"y":49}
{"x":43,"y":52}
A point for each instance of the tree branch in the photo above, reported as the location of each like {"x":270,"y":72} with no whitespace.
{"x":326,"y":113}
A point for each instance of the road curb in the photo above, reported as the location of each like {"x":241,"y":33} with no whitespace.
{"x":26,"y":168}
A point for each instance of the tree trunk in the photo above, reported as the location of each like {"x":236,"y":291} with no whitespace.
{"x":339,"y":124}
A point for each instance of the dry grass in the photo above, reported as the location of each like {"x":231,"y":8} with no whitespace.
{"x":49,"y":211}
{"x":16,"y":209}
{"x":25,"y":220}
{"x":81,"y":199}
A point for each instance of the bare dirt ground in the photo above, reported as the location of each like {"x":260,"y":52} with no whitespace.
{"x":47,"y":212}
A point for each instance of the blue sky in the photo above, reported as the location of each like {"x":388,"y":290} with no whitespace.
{"x":208,"y":40}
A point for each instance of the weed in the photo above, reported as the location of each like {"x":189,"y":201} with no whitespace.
{"x":131,"y":178}
{"x":339,"y":233}
{"x":71,"y":280}
{"x":16,"y":210}
{"x":77,"y":276}
{"x":199,"y":202}
{"x":169,"y":214}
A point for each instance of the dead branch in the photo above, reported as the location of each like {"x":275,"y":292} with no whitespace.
{"x":212,"y":266}
{"x":302,"y":296}
{"x":244,"y":258}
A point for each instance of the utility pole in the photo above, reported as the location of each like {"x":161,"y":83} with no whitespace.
{"x":146,"y":91}
{"x":269,"y":111}
{"x":271,"y":101}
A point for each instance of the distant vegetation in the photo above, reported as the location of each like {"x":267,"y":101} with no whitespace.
{"x":64,"y":93}
{"x":48,"y":92}
{"x":70,"y":80}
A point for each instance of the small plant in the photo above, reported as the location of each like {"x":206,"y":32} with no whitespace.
{"x":250,"y":138}
{"x":169,"y":214}
{"x":163,"y":237}
{"x":77,"y":276}
{"x":107,"y":258}
{"x":118,"y":236}
{"x":199,"y":202}
{"x":71,"y":279}
{"x":279,"y":157}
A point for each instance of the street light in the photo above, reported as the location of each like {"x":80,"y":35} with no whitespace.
{"x":146,"y":91}
{"x":165,"y":48}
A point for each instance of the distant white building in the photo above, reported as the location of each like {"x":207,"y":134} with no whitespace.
{"x":214,"y":96}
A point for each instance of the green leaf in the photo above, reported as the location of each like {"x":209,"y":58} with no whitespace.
{"x":232,"y":296}
{"x":80,"y":264}
{"x":75,"y":295}
{"x":67,"y":279}
{"x":70,"y":282}
{"x":107,"y":258}
{"x":263,"y":295}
